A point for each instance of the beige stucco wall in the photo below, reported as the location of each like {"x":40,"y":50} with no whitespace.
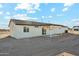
{"x":73,"y":32}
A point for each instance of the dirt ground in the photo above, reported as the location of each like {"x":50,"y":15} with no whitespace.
{"x":5,"y":34}
{"x":40,"y":46}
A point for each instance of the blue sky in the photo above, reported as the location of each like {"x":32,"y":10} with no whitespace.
{"x":55,"y":13}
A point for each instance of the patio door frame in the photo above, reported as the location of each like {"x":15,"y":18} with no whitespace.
{"x":43,"y":31}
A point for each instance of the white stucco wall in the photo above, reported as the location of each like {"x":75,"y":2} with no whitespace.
{"x":56,"y":31}
{"x":17,"y":31}
{"x":33,"y":31}
{"x":12,"y":28}
{"x":73,"y":32}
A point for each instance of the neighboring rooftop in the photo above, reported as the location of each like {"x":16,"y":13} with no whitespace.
{"x":33,"y":23}
{"x":75,"y":26}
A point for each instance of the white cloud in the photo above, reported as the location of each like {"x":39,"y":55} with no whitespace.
{"x":31,"y":11}
{"x":65,"y":9}
{"x":43,"y":16}
{"x":72,"y":22}
{"x":25,"y":6}
{"x":20,"y":16}
{"x":7,"y":17}
{"x":33,"y":18}
{"x":76,"y":21}
{"x":1,"y":12}
{"x":8,"y":13}
{"x":4,"y":26}
{"x":53,"y":9}
{"x":30,"y":7}
{"x":40,"y":1}
{"x":47,"y":17}
{"x":68,"y":4}
{"x":37,"y":5}
{"x":50,"y":16}
{"x":0,"y":5}
{"x":23,"y":17}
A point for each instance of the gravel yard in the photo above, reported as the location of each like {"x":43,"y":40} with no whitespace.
{"x":39,"y":46}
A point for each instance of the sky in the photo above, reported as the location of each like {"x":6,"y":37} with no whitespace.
{"x":56,"y":13}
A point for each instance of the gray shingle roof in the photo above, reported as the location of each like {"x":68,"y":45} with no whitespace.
{"x":32,"y":23}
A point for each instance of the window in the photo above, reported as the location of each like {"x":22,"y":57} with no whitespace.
{"x":43,"y":31}
{"x":76,"y":30}
{"x":26,"y":29}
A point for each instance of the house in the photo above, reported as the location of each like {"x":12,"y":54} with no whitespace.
{"x":75,"y":28}
{"x":25,"y":28}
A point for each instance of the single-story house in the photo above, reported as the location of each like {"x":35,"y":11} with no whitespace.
{"x":25,"y":28}
{"x":75,"y":28}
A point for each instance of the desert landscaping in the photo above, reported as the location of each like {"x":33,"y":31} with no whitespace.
{"x":65,"y":44}
{"x":52,"y":45}
{"x":4,"y":33}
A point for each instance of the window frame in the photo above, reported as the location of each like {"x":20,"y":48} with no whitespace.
{"x":76,"y":29}
{"x":25,"y":29}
